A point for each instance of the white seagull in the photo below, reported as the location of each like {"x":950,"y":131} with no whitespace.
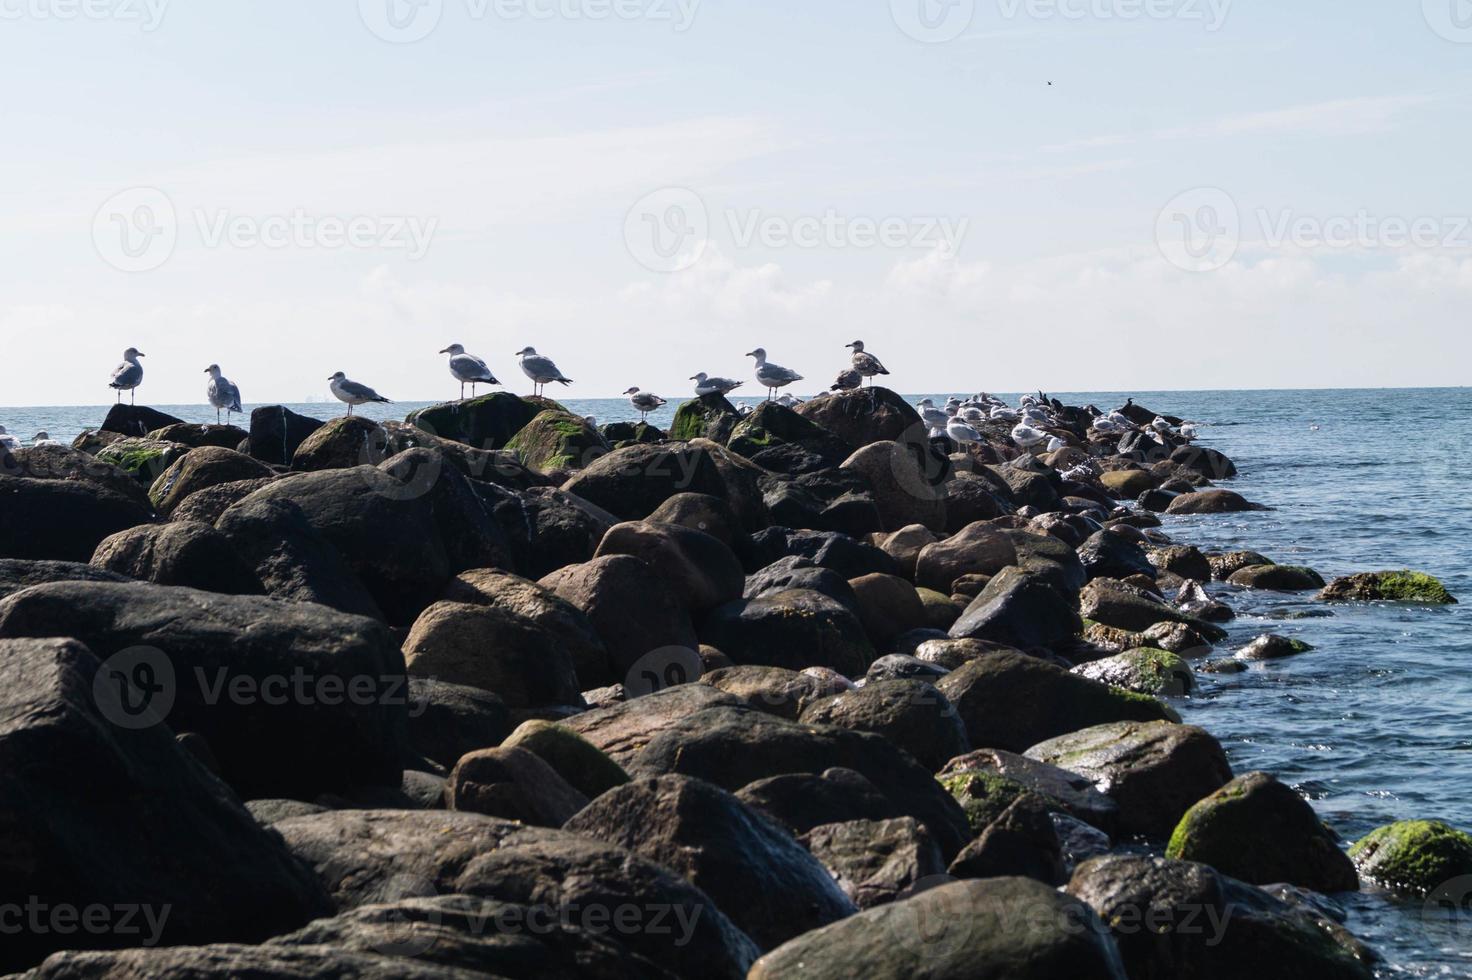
{"x":644,"y":401}
{"x":866,"y":364}
{"x":468,"y":369}
{"x":848,"y":380}
{"x":772,"y":376}
{"x":222,"y":393}
{"x":706,"y":385}
{"x":540,"y":369}
{"x":1026,"y":436}
{"x":128,"y":375}
{"x":43,"y":438}
{"x":961,"y":433}
{"x":352,"y":392}
{"x":933,"y":417}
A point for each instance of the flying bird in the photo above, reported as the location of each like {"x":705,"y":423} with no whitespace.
{"x":222,"y":394}
{"x":468,"y":370}
{"x":540,"y":369}
{"x":128,"y":375}
{"x":352,"y":392}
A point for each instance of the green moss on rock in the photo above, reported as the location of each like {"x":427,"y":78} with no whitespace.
{"x":145,"y":460}
{"x":1413,"y":856}
{"x":983,"y":795}
{"x":586,"y":768}
{"x":558,"y":440}
{"x":1394,"y":586}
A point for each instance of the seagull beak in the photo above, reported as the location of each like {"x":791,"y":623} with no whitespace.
{"x":445,"y":351}
{"x":141,"y":354}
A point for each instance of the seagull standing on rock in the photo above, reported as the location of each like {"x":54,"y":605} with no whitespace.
{"x":222,"y":393}
{"x":706,"y":385}
{"x":961,"y":432}
{"x":933,"y":417}
{"x":43,"y":438}
{"x":468,"y":370}
{"x":644,"y":402}
{"x":772,"y":376}
{"x":540,"y":369}
{"x":866,"y":364}
{"x":352,"y":392}
{"x":128,"y":375}
{"x":848,"y":380}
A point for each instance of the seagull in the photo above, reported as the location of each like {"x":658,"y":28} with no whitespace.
{"x":1055,"y":444}
{"x":1161,"y":425}
{"x":222,"y":393}
{"x":932,"y":416}
{"x":8,"y":441}
{"x":1026,"y":436}
{"x":352,"y":392}
{"x":961,"y":433}
{"x":540,"y":369}
{"x":468,"y":369}
{"x":644,"y":402}
{"x":43,"y":438}
{"x":772,"y":376}
{"x":1188,"y":431}
{"x":128,"y":375}
{"x":706,"y":385}
{"x":848,"y":380}
{"x":866,"y":364}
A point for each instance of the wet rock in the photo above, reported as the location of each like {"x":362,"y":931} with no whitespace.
{"x":1180,"y":919}
{"x":827,"y":549}
{"x":1402,"y":586}
{"x":200,"y":469}
{"x":1271,"y":646}
{"x":1157,"y":501}
{"x":773,"y":690}
{"x":733,"y":747}
{"x":697,"y":568}
{"x":771,"y":887}
{"x":796,"y":572}
{"x":1020,"y":842}
{"x":1154,"y":770}
{"x":1207,"y":462}
{"x":632,"y":482}
{"x":796,"y":628}
{"x":1128,"y":484}
{"x":179,"y":553}
{"x":1415,"y":857}
{"x":514,"y":784}
{"x":876,"y":862}
{"x":998,"y":776}
{"x":485,"y":422}
{"x":888,"y":606}
{"x":1159,"y":673}
{"x":540,"y":605}
{"x":143,"y":460}
{"x":207,"y":505}
{"x":903,"y":666}
{"x":1021,"y":609}
{"x":276,"y":432}
{"x":1260,"y":831}
{"x":1211,"y":502}
{"x":941,"y":611}
{"x":136,"y":420}
{"x":970,"y":499}
{"x":1029,"y":489}
{"x":574,"y":758}
{"x":622,"y":730}
{"x":1114,"y":556}
{"x":342,"y":443}
{"x":951,"y":654}
{"x":17,"y":574}
{"x":910,"y":713}
{"x":493,"y":649}
{"x":556,"y":441}
{"x":96,"y":813}
{"x":447,"y":721}
{"x":1193,"y":601}
{"x":1182,"y":560}
{"x":632,"y":608}
{"x":1277,"y":578}
{"x":955,"y":931}
{"x":1055,"y":562}
{"x":1223,"y":565}
{"x":709,"y":416}
{"x":261,"y":700}
{"x":804,"y":801}
{"x":978,"y":549}
{"x":1114,"y":603}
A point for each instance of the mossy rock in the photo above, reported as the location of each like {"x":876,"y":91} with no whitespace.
{"x":773,"y":425}
{"x":941,"y":612}
{"x":487,"y":422}
{"x":1143,"y":670}
{"x":709,"y":417}
{"x":983,"y":795}
{"x":586,"y":768}
{"x":1401,"y":586}
{"x":145,"y":460}
{"x":558,"y":440}
{"x":93,"y":441}
{"x":1413,"y":856}
{"x":1260,"y":831}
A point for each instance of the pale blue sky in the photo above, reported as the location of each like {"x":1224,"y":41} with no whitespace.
{"x":510,"y":149}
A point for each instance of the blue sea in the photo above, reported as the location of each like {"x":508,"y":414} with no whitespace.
{"x":1375,"y":724}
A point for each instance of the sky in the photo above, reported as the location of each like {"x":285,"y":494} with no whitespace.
{"x":994,"y":195}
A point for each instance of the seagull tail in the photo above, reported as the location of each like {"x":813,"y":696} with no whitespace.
{"x":386,"y":401}
{"x":564,"y":381}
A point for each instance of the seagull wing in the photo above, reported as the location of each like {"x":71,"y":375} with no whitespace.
{"x":234,"y":395}
{"x":127,"y":374}
{"x":361,"y":391}
{"x":542,"y":367}
{"x":467,"y":367}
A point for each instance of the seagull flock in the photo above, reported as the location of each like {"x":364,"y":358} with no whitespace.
{"x":1034,"y":425}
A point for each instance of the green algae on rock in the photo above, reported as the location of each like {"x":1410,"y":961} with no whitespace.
{"x":1143,"y":670}
{"x":1413,"y":856}
{"x":558,"y":440}
{"x":1397,"y":586}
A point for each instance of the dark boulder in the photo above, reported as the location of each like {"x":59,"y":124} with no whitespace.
{"x":910,"y":713}
{"x":344,"y":442}
{"x":1277,"y":578}
{"x":196,"y":436}
{"x":803,"y":801}
{"x":698,"y":568}
{"x":796,"y":628}
{"x":908,"y":486}
{"x":632,"y":608}
{"x":1207,"y":462}
{"x":876,"y":862}
{"x":178,"y":553}
{"x":1063,"y":791}
{"x":276,"y":432}
{"x":1020,"y":609}
{"x":796,"y":572}
{"x":774,"y":690}
{"x":864,"y":416}
{"x":17,"y":574}
{"x":486,"y":422}
{"x":828,"y":549}
{"x":199,"y":470}
{"x":632,"y":482}
{"x":1211,"y":502}
{"x":585,"y":768}
{"x":136,"y":420}
{"x":514,"y":784}
{"x":447,"y":721}
{"x":547,"y":529}
{"x":494,"y":649}
{"x":888,"y":606}
{"x":708,"y":416}
{"x":206,"y":505}
{"x":978,"y":549}
{"x":1113,"y":555}
{"x":622,"y":730}
{"x":1020,"y":842}
{"x":62,"y":520}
